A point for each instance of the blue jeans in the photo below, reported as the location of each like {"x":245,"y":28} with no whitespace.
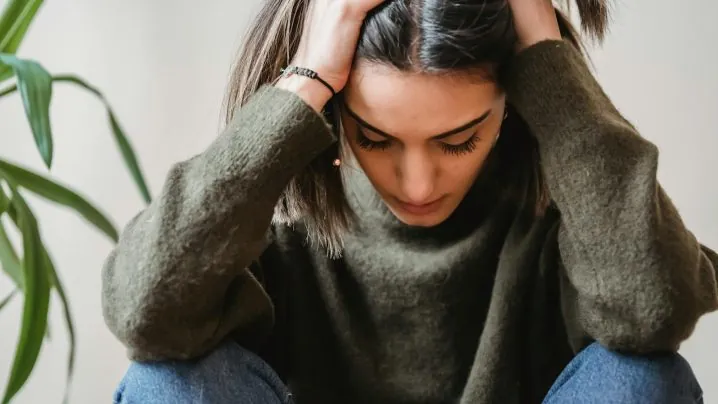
{"x":232,"y":374}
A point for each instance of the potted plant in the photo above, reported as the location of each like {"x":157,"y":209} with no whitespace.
{"x":27,"y":263}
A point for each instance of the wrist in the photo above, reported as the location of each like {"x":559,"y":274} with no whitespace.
{"x":314,"y":93}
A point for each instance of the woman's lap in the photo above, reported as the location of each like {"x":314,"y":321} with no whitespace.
{"x":598,"y":375}
{"x":229,"y":374}
{"x":233,"y":374}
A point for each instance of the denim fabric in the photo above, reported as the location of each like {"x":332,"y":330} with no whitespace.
{"x":232,"y":374}
{"x":597,"y":375}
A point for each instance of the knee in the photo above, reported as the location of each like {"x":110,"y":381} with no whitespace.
{"x":224,"y":375}
{"x":609,"y":376}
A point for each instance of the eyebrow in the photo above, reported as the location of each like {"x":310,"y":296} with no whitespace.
{"x":440,"y":136}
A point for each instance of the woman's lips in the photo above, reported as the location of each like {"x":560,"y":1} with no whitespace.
{"x":422,"y":209}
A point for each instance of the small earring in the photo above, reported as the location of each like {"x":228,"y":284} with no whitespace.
{"x":506,"y":115}
{"x":337,"y":162}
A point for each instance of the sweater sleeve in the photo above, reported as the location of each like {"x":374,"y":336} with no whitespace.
{"x":639,"y":280}
{"x":178,"y":280}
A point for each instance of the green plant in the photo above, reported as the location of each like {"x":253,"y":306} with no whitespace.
{"x":29,"y":264}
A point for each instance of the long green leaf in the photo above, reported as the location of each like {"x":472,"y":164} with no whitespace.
{"x":59,"y":194}
{"x":10,"y":14}
{"x":37,"y":298}
{"x":9,"y":90}
{"x":122,"y":142}
{"x":9,"y":260}
{"x":8,"y":257}
{"x":16,"y":19}
{"x":57,"y":283}
{"x":35,"y":85}
{"x":7,"y":206}
{"x":4,"y":201}
{"x":5,"y":72}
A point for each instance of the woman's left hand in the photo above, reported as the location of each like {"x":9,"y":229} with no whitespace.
{"x":535,"y":21}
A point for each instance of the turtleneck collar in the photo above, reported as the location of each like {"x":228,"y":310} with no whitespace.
{"x":372,"y":214}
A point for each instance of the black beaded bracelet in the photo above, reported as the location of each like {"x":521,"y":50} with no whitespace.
{"x":303,"y":71}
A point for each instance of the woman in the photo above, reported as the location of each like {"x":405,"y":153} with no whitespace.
{"x":422,"y":258}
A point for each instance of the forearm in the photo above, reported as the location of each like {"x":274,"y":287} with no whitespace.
{"x":176,"y":282}
{"x":642,"y":278}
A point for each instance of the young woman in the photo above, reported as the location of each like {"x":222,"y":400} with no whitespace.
{"x":470,"y":220}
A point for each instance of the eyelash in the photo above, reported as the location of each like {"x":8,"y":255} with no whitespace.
{"x":456,"y":150}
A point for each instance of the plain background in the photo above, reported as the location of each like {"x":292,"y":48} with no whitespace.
{"x":163,"y":65}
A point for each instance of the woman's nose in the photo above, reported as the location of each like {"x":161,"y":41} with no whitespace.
{"x":417,"y":178}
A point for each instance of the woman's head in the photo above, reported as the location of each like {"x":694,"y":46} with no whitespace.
{"x":422,"y":110}
{"x":423,"y":106}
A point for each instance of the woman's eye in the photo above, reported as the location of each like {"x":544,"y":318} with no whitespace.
{"x":467,"y":146}
{"x":368,"y":144}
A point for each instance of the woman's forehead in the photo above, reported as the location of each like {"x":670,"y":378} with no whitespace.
{"x":399,"y":102}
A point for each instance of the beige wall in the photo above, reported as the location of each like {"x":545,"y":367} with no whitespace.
{"x":163,"y":65}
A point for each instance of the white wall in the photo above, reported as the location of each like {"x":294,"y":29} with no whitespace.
{"x":163,"y":66}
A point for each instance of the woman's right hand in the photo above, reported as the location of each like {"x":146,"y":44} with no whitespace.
{"x":327,"y":46}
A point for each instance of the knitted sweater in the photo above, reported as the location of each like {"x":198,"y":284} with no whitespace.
{"x":487,"y":307}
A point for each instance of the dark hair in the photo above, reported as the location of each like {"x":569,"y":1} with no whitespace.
{"x":427,"y":36}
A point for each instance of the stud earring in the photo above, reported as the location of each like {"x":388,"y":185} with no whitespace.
{"x":337,"y":162}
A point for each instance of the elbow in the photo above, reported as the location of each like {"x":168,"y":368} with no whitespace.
{"x":151,"y":335}
{"x":655,"y":315}
{"x":662,"y":333}
{"x":660,"y":326}
{"x":131,"y":314}
{"x":129,"y":323}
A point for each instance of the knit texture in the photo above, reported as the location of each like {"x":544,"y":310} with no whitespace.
{"x":487,"y":307}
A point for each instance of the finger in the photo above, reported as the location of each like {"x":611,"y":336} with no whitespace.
{"x":362,"y":7}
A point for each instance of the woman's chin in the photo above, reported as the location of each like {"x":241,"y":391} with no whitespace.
{"x":421,"y":219}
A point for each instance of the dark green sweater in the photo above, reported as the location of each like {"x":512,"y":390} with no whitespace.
{"x":487,"y":307}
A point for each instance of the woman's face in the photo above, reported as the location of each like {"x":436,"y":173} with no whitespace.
{"x":420,"y":139}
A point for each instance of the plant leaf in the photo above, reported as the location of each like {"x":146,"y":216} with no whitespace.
{"x":11,"y":89}
{"x":5,"y":72}
{"x":7,"y":207}
{"x":9,"y":15}
{"x":37,"y":297}
{"x":122,"y":142}
{"x":57,"y":283}
{"x":8,"y":257}
{"x":4,"y":201}
{"x":7,"y":299}
{"x":9,"y":260}
{"x":59,"y":194}
{"x":35,"y":85}
{"x":14,"y":22}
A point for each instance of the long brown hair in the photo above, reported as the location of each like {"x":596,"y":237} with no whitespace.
{"x":430,"y":36}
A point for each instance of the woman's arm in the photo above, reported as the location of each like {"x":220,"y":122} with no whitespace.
{"x":177,"y":282}
{"x":640,"y":278}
